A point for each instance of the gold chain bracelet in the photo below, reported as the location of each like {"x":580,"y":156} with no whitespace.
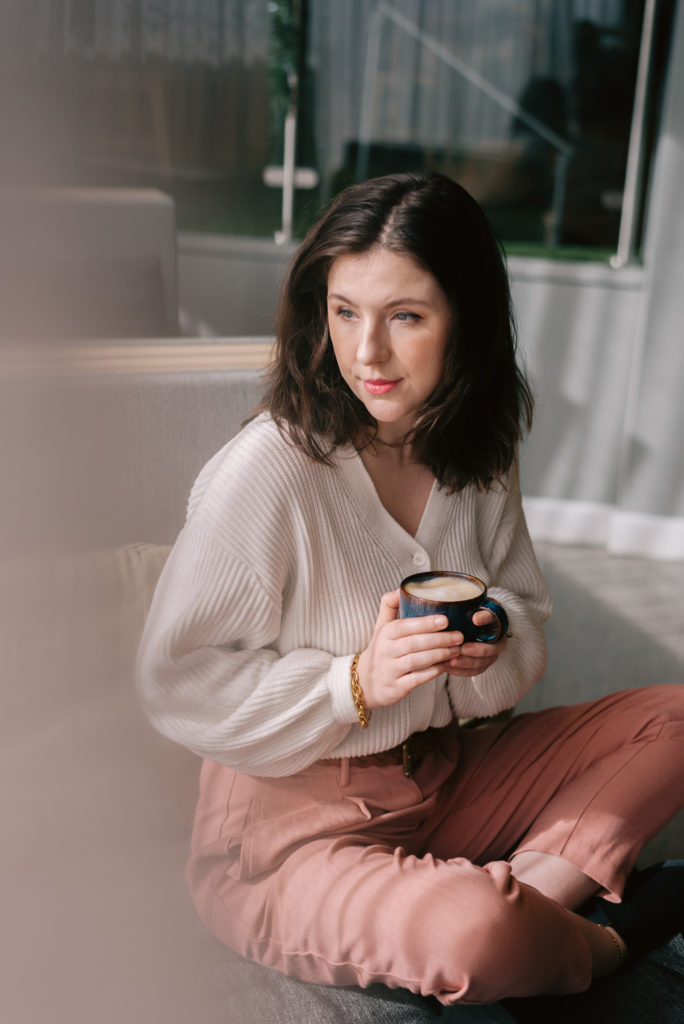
{"x":357,"y":694}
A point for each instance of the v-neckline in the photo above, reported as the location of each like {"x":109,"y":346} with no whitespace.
{"x":415,"y":488}
{"x":361,"y":483}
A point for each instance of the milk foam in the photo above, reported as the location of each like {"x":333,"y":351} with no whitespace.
{"x":444,"y":588}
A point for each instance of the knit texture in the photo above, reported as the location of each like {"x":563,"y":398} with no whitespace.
{"x":275,"y":582}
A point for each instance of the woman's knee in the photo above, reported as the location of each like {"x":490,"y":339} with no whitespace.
{"x":663,"y":705}
{"x":669,"y":697}
{"x":496,"y":938}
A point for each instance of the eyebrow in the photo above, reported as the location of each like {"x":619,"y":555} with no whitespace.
{"x":401,"y":301}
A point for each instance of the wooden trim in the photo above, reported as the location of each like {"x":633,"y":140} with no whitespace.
{"x":143,"y":358}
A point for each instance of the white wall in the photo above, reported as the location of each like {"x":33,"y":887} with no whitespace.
{"x":654,"y":481}
{"x":577,"y":330}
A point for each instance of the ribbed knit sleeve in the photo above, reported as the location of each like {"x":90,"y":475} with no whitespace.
{"x":215,"y":672}
{"x":212,"y":678}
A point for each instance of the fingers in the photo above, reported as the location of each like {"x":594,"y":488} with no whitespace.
{"x":386,"y":679}
{"x":416,"y":652}
{"x":428,"y":655}
{"x":484,"y":617}
{"x":403,"y":653}
{"x":421,"y":643}
{"x":473,"y":659}
{"x":418,"y":678}
{"x":389,"y":609}
{"x":423,"y":624}
{"x":406,"y":653}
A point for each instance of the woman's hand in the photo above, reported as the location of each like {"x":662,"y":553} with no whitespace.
{"x":405,"y":653}
{"x":472,"y":659}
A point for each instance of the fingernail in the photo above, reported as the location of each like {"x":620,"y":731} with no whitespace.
{"x":441,"y":621}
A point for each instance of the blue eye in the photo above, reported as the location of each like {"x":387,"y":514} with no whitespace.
{"x":345,"y":313}
{"x":407,"y":317}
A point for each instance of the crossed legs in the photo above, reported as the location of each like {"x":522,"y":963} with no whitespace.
{"x":416,"y":890}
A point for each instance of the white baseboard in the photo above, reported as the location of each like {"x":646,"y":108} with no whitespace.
{"x":621,"y":532}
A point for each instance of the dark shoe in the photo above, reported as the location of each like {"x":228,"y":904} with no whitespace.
{"x":652,"y":908}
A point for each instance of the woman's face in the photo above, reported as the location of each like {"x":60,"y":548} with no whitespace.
{"x":390,"y":325}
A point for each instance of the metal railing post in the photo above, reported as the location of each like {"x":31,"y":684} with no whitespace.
{"x":368,"y":93}
{"x":289,"y":157}
{"x":629,"y":217}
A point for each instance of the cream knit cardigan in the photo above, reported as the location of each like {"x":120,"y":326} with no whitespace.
{"x":275,"y":582}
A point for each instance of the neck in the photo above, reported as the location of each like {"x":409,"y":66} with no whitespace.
{"x":390,"y":452}
{"x":386,"y":436}
{"x":402,"y":484}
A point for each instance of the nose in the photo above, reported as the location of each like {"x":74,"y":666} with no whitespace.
{"x":373,"y":344}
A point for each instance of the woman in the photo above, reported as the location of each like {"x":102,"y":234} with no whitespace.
{"x":348,"y":829}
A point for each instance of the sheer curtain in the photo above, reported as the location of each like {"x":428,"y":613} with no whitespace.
{"x":375,"y":68}
{"x":650,"y":506}
{"x":604,"y":464}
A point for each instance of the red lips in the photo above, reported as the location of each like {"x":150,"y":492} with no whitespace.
{"x":378,"y":386}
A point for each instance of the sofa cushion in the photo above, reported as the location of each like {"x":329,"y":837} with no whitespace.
{"x":70,"y":626}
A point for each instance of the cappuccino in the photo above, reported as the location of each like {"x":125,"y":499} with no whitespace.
{"x":456,"y":595}
{"x":445,"y":588}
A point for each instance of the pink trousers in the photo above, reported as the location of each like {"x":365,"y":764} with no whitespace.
{"x":348,"y":875}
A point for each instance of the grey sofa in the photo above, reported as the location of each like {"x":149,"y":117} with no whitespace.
{"x":80,"y":263}
{"x":96,"y":807}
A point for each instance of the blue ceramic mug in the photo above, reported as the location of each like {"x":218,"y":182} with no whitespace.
{"x":457,"y":595}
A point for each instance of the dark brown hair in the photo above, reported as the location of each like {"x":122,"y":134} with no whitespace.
{"x":470,"y":427}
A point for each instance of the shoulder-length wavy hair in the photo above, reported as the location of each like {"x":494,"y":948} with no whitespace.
{"x":470,"y":427}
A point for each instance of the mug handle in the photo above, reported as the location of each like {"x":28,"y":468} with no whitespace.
{"x":492,"y":633}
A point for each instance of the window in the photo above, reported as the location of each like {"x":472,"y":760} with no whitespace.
{"x":528,"y":103}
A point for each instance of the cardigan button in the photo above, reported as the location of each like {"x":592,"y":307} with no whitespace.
{"x":419,"y":558}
